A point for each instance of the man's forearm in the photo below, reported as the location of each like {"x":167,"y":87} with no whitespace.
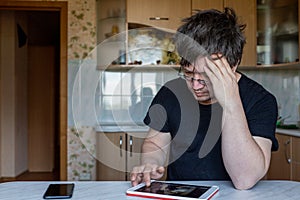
{"x":244,"y":159}
{"x":152,"y":153}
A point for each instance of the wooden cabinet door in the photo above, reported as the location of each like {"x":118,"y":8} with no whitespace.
{"x":295,"y":158}
{"x":207,"y":4}
{"x":111,"y":156}
{"x":280,"y":166}
{"x":134,"y":149}
{"x":247,"y":14}
{"x":158,"y":13}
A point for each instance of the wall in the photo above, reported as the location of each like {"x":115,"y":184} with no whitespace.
{"x":13,"y":92}
{"x":7,"y":95}
{"x":21,"y":63}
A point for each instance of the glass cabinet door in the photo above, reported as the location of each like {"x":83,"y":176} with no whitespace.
{"x":111,"y":32}
{"x":277,"y":32}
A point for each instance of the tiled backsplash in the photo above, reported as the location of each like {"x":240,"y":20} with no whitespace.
{"x":116,"y":97}
{"x":285,"y":85}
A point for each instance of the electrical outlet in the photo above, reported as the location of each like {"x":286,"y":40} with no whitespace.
{"x":85,"y":176}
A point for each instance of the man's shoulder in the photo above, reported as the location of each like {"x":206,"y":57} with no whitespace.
{"x":175,"y":85}
{"x":174,"y":82}
{"x":251,"y":87}
{"x":251,"y":91}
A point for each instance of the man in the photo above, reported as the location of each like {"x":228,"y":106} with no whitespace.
{"x":213,"y":123}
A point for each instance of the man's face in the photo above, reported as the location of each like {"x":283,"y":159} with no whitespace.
{"x":198,"y":83}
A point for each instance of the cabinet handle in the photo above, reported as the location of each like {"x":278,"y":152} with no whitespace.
{"x":121,"y":143}
{"x":288,"y":159}
{"x":130,"y":145}
{"x":159,"y":18}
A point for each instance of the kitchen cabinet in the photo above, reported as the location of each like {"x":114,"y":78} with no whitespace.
{"x":129,"y":30}
{"x":285,"y":163}
{"x":151,"y":26}
{"x":111,"y":31}
{"x":117,"y":153}
{"x":271,"y":27}
{"x":277,"y":32}
{"x":111,"y":18}
{"x":207,"y":4}
{"x":280,"y":166}
{"x":158,"y":13}
{"x":247,"y":15}
{"x":295,"y":159}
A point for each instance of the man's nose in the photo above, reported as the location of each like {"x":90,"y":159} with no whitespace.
{"x":197,"y":83}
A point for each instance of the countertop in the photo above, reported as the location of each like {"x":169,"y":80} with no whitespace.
{"x":291,"y":132}
{"x":121,"y":128}
{"x":116,"y":190}
{"x":142,"y":128}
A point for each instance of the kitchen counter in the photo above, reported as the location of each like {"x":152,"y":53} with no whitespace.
{"x":290,"y":132}
{"x":139,"y":128}
{"x":121,"y":128}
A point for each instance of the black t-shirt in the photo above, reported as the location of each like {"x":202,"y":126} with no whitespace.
{"x":195,"y":151}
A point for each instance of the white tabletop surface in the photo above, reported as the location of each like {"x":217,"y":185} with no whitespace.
{"x":93,"y":190}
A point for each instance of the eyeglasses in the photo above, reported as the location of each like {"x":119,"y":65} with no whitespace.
{"x":189,"y":76}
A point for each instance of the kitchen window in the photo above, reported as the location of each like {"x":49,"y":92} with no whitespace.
{"x":124,"y":97}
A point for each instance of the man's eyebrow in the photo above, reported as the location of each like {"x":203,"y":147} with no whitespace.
{"x":194,"y":71}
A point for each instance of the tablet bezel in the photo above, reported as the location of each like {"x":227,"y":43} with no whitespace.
{"x":213,"y":189}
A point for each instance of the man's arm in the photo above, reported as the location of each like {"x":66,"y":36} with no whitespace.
{"x":154,"y":155}
{"x":246,"y":158}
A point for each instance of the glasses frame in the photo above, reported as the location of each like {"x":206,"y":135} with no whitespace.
{"x":182,"y":75}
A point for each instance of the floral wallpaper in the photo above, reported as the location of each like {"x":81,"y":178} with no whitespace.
{"x":81,"y":154}
{"x":81,"y":42}
{"x":82,"y":28}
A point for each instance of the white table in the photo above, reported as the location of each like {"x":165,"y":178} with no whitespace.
{"x":264,"y":190}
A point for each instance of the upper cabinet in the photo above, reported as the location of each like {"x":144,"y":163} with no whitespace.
{"x":277,"y":32}
{"x":246,"y":14}
{"x":111,"y":32}
{"x":111,"y":18}
{"x":272,"y":36}
{"x":207,"y":4}
{"x":158,"y":13}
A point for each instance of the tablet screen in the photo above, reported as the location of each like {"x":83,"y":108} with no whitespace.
{"x":174,"y":189}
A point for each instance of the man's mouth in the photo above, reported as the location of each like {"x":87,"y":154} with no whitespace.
{"x":199,"y":93}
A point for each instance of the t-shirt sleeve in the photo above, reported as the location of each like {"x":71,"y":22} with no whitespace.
{"x":262,"y":119}
{"x":156,"y":117}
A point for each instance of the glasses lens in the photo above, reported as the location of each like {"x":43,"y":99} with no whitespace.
{"x":189,"y":76}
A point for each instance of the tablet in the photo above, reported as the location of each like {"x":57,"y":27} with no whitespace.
{"x":170,"y":190}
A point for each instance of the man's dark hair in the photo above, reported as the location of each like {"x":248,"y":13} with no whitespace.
{"x":210,"y":32}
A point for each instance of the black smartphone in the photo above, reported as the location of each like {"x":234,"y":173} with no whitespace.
{"x":59,"y":191}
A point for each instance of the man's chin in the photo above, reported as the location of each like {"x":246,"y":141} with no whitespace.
{"x":203,"y":99}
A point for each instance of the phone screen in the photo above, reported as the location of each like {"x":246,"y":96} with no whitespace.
{"x":59,"y":191}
